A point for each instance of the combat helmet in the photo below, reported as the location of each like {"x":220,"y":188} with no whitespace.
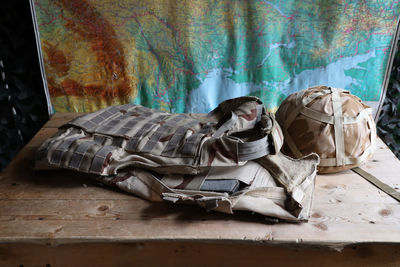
{"x":330,"y":122}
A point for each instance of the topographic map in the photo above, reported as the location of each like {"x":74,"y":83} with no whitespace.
{"x":187,"y":56}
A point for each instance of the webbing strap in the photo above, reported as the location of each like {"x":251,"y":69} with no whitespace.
{"x":62,"y":148}
{"x":277,"y":136}
{"x":349,"y":160}
{"x":91,"y":121}
{"x":227,"y":125}
{"x":289,"y":141}
{"x":190,"y":146}
{"x":80,"y":151}
{"x":134,"y":141}
{"x":338,"y":120}
{"x":170,"y":126}
{"x":316,"y":115}
{"x":254,"y":149}
{"x":127,"y":124}
{"x":247,"y":150}
{"x":100,"y":158}
{"x":260,"y":111}
{"x":375,"y":181}
{"x":192,"y":142}
{"x":276,"y":193}
{"x":179,"y":134}
{"x":364,"y":114}
{"x":300,"y":104}
{"x":372,"y":128}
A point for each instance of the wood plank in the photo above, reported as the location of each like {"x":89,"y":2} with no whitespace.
{"x":61,"y":118}
{"x":89,"y":220}
{"x":193,"y":254}
{"x":50,"y":186}
{"x":135,"y":209}
{"x":350,"y":188}
{"x":184,"y":229}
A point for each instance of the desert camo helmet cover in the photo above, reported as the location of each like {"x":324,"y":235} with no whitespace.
{"x":331,"y":122}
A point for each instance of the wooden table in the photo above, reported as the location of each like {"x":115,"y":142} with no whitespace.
{"x":64,"y":218}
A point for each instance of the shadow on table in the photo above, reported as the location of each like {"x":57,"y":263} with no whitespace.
{"x":21,"y":174}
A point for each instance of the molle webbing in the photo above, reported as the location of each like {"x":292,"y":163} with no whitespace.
{"x":168,"y":142}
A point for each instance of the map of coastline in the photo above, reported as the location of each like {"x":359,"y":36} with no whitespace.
{"x":187,"y":56}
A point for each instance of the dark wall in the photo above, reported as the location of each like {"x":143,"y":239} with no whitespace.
{"x":389,"y":119}
{"x":23,"y":108}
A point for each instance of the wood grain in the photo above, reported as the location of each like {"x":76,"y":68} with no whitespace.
{"x":193,"y":254}
{"x":63,"y":207}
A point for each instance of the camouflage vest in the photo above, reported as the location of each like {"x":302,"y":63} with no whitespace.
{"x":228,"y":160}
{"x":238,"y":130}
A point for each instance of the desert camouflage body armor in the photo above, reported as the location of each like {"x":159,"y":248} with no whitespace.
{"x":224,"y":161}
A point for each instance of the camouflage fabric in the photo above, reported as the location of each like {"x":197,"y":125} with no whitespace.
{"x":330,"y":122}
{"x":275,"y":186}
{"x":102,"y":142}
{"x":226,"y":161}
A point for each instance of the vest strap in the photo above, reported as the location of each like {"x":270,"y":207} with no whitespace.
{"x":378,"y":183}
{"x":254,"y":149}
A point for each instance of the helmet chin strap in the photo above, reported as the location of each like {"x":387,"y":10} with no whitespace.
{"x":378,"y":183}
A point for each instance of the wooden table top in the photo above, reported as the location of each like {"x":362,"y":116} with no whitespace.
{"x":59,"y":207}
